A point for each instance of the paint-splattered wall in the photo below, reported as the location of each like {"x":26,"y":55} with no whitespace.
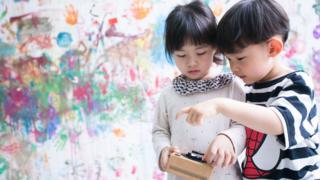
{"x":79,"y":80}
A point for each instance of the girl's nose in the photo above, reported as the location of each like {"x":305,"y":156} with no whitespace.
{"x":191,"y":61}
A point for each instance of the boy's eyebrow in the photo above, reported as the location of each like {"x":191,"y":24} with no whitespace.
{"x":227,"y":57}
{"x":238,"y":56}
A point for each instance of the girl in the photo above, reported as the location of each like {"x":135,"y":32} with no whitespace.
{"x":190,"y":40}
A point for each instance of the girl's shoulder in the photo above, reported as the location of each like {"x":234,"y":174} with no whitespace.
{"x":238,"y":89}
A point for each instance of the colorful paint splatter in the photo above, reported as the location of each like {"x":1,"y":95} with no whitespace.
{"x":78,"y":87}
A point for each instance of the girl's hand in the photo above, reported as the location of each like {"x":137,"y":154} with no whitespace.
{"x":165,"y":153}
{"x":220,"y":152}
{"x":195,"y":114}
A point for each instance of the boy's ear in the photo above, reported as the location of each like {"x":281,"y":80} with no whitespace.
{"x":275,"y":45}
{"x":218,"y":57}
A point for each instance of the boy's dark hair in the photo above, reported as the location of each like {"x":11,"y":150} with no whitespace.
{"x":192,"y":22}
{"x":251,"y":22}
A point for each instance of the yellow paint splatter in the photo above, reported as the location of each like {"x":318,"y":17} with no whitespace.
{"x":141,"y":8}
{"x":72,"y":15}
{"x":55,"y":100}
{"x":30,"y":73}
{"x":140,"y":43}
{"x":46,"y":160}
{"x":70,"y":116}
{"x":217,"y":9}
{"x":119,"y":132}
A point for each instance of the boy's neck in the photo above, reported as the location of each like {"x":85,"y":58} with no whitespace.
{"x":279,"y":70}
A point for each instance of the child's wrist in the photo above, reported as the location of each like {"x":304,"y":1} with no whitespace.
{"x":225,"y":135}
{"x":219,"y":104}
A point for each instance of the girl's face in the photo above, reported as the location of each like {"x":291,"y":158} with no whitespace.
{"x":194,"y":61}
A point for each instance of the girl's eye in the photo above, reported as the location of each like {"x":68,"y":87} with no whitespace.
{"x":181,"y":55}
{"x":201,"y":53}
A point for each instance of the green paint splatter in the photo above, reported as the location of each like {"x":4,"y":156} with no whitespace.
{"x":4,"y":165}
{"x":3,"y":14}
{"x":3,"y":126}
{"x":61,"y":140}
{"x":54,"y":84}
{"x":105,"y":117}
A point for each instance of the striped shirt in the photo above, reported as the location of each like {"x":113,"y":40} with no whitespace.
{"x":295,"y":153}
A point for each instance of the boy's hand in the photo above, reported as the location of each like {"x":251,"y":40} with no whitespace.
{"x":220,"y":152}
{"x":196,"y":113}
{"x":165,"y":153}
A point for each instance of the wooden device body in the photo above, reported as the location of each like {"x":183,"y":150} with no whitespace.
{"x":188,"y":168}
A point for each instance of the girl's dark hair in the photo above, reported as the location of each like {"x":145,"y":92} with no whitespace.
{"x":192,"y":22}
{"x":251,"y":22}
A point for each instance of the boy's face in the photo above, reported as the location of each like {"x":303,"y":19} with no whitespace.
{"x":253,"y":63}
{"x":194,"y":61}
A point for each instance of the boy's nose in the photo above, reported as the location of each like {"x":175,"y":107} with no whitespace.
{"x":234,"y":68}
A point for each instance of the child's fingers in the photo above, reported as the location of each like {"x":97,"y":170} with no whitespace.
{"x":195,"y":119}
{"x":205,"y":156}
{"x":227,"y":160}
{"x":175,"y":149}
{"x":164,"y":159}
{"x":165,"y":163}
{"x":234,"y":160}
{"x":190,"y":118}
{"x":182,"y":112}
{"x":218,"y":161}
{"x":209,"y":158}
{"x":210,"y":155}
{"x":199,"y":119}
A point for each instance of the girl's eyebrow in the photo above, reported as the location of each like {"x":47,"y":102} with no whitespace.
{"x":179,"y":50}
{"x":201,"y":46}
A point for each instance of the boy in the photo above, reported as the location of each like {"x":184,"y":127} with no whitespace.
{"x":280,"y":113}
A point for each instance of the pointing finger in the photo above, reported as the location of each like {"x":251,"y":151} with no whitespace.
{"x":182,"y":112}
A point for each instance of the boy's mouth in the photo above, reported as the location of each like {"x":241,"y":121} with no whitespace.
{"x":242,"y":77}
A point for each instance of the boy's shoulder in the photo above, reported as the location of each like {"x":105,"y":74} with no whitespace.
{"x":301,"y":77}
{"x":296,"y":78}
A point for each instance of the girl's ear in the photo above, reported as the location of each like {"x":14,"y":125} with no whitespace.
{"x":275,"y":45}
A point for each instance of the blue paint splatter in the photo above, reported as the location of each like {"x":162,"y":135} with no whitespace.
{"x":157,"y":52}
{"x":64,"y":39}
{"x":6,"y":50}
{"x":21,"y":0}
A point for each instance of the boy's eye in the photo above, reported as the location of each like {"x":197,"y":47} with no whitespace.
{"x":241,"y":58}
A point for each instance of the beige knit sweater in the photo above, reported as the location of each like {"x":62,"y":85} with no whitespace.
{"x":168,"y":131}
